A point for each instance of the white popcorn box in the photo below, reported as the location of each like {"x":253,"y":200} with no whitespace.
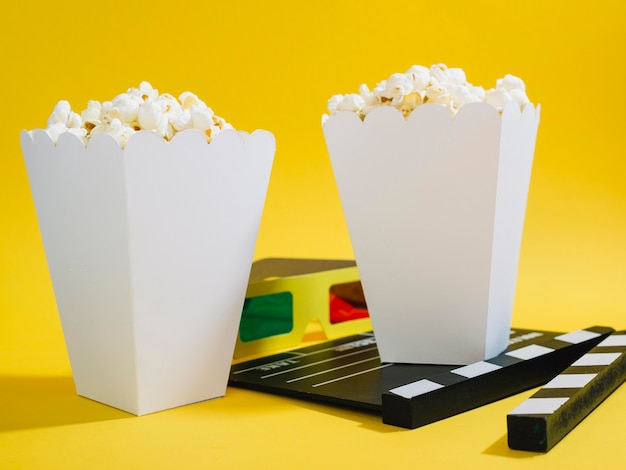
{"x":149,"y":249}
{"x":435,"y":208}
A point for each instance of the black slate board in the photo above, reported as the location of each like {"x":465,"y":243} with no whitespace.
{"x":348,"y":372}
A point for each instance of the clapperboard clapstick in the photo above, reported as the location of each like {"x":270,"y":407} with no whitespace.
{"x":548,"y":415}
{"x":464,"y":388}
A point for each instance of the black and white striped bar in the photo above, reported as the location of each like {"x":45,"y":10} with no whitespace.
{"x":463,"y":388}
{"x":547,"y":416}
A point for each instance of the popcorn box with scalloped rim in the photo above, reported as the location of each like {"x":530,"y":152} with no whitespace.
{"x":435,"y":208}
{"x":149,"y":249}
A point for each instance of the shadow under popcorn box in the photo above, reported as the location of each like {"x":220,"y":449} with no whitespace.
{"x":149,"y":249}
{"x":435,"y":208}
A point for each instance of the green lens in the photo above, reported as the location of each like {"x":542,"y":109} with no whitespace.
{"x":266,"y":315}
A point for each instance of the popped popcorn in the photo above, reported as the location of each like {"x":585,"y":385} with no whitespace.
{"x":435,"y":84}
{"x":141,"y":108}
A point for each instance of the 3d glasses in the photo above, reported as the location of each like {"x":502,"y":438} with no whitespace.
{"x":285,"y":294}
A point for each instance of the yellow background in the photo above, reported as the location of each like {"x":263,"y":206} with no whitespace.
{"x":273,"y":65}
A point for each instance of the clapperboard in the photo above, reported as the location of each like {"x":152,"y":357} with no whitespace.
{"x":348,"y":372}
{"x":548,"y":415}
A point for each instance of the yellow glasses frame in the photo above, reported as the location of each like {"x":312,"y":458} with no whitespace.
{"x":309,"y":282}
